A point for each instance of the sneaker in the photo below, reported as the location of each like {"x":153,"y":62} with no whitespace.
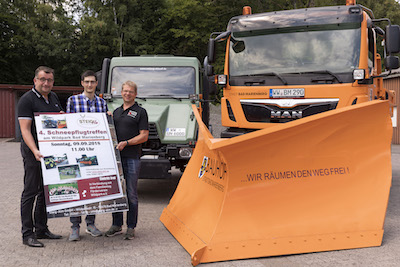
{"x":130,"y":234}
{"x":74,"y":236}
{"x":92,"y":230}
{"x":114,"y":230}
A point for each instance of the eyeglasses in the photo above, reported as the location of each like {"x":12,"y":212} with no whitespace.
{"x":88,"y":82}
{"x":128,"y":92}
{"x":43,"y":80}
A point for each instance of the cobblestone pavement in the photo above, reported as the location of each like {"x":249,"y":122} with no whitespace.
{"x":154,"y":245}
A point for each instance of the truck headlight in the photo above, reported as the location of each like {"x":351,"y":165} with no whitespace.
{"x":358,"y":74}
{"x":185,"y":152}
{"x":221,"y":79}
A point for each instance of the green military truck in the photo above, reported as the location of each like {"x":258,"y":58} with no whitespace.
{"x":167,"y":88}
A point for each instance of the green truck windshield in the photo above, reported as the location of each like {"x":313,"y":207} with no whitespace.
{"x":295,"y":51}
{"x":156,"y":81}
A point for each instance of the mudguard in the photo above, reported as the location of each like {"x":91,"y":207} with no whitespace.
{"x":316,"y":184}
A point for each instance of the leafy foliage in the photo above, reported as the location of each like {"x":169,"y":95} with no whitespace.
{"x":74,"y":35}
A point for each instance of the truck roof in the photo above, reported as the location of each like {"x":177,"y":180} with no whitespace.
{"x":155,"y":61}
{"x":334,"y":15}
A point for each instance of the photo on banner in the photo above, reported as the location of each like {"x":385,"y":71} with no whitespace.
{"x":82,"y":170}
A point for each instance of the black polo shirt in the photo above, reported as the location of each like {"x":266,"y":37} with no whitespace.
{"x":128,"y":124}
{"x":32,"y":101}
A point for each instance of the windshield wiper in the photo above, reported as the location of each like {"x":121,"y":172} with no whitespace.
{"x":265,"y":74}
{"x":166,"y":96}
{"x":322,"y":72}
{"x":329,"y":72}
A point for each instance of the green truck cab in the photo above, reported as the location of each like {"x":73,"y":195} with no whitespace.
{"x":167,"y":88}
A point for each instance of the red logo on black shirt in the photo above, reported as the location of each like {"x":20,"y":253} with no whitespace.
{"x":132,"y":113}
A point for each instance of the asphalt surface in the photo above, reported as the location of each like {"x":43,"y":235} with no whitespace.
{"x":154,"y":245}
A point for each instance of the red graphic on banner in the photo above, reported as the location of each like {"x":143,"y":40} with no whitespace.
{"x":84,"y":189}
{"x":98,"y":187}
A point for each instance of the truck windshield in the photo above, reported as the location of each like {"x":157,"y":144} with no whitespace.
{"x":302,"y":51}
{"x":156,"y":81}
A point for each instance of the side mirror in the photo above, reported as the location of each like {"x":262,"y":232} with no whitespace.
{"x":392,"y":62}
{"x":209,"y":87}
{"x":208,"y":69}
{"x":99,"y":77}
{"x":379,"y":31}
{"x":211,"y":50}
{"x":104,"y":75}
{"x":213,"y":87}
{"x":392,"y":39}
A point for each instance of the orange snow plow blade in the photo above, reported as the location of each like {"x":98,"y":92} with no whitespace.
{"x":316,"y":184}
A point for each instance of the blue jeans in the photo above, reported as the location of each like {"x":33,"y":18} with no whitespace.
{"x":76,"y":221}
{"x":131,"y":168}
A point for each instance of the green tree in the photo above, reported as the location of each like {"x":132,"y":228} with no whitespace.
{"x":120,"y":27}
{"x":15,"y":47}
{"x":37,"y":33}
{"x":74,"y":35}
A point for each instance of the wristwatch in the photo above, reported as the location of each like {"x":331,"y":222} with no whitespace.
{"x":127,"y":143}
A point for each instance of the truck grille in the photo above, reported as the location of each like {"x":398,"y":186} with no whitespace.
{"x":153,"y":130}
{"x":154,"y":140}
{"x":281,"y":111}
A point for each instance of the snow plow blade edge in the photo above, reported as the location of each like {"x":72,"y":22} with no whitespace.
{"x":316,"y":184}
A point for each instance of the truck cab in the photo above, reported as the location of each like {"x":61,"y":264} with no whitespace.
{"x":167,"y":88}
{"x":286,"y":65}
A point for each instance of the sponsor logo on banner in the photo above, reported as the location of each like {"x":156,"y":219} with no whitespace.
{"x":88,"y":122}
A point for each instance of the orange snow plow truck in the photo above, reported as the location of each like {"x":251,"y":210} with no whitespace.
{"x":305,"y":162}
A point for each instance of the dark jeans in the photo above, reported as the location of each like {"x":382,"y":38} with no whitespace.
{"x":76,"y":221}
{"x":131,"y":168}
{"x":33,"y":191}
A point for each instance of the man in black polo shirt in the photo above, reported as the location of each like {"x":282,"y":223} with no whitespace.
{"x":39,"y":99}
{"x":131,"y":126}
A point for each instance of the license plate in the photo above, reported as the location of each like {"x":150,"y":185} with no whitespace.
{"x":175,"y":132}
{"x":286,"y":93}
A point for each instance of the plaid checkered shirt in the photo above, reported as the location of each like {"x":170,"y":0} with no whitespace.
{"x":81,"y":103}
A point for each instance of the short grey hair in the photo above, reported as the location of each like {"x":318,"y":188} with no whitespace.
{"x":130,"y":84}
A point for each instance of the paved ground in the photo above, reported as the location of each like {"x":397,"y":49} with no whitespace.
{"x":154,"y":245}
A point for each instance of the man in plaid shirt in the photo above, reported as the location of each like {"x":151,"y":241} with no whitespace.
{"x":88,"y":101}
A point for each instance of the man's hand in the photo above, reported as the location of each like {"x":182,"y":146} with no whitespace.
{"x":121,"y":145}
{"x":37,"y":155}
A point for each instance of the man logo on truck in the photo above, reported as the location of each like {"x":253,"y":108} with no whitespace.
{"x":288,"y":114}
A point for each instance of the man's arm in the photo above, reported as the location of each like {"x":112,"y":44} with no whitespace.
{"x":25,"y":125}
{"x":138,"y":139}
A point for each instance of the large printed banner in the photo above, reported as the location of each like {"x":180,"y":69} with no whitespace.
{"x":81,"y":168}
